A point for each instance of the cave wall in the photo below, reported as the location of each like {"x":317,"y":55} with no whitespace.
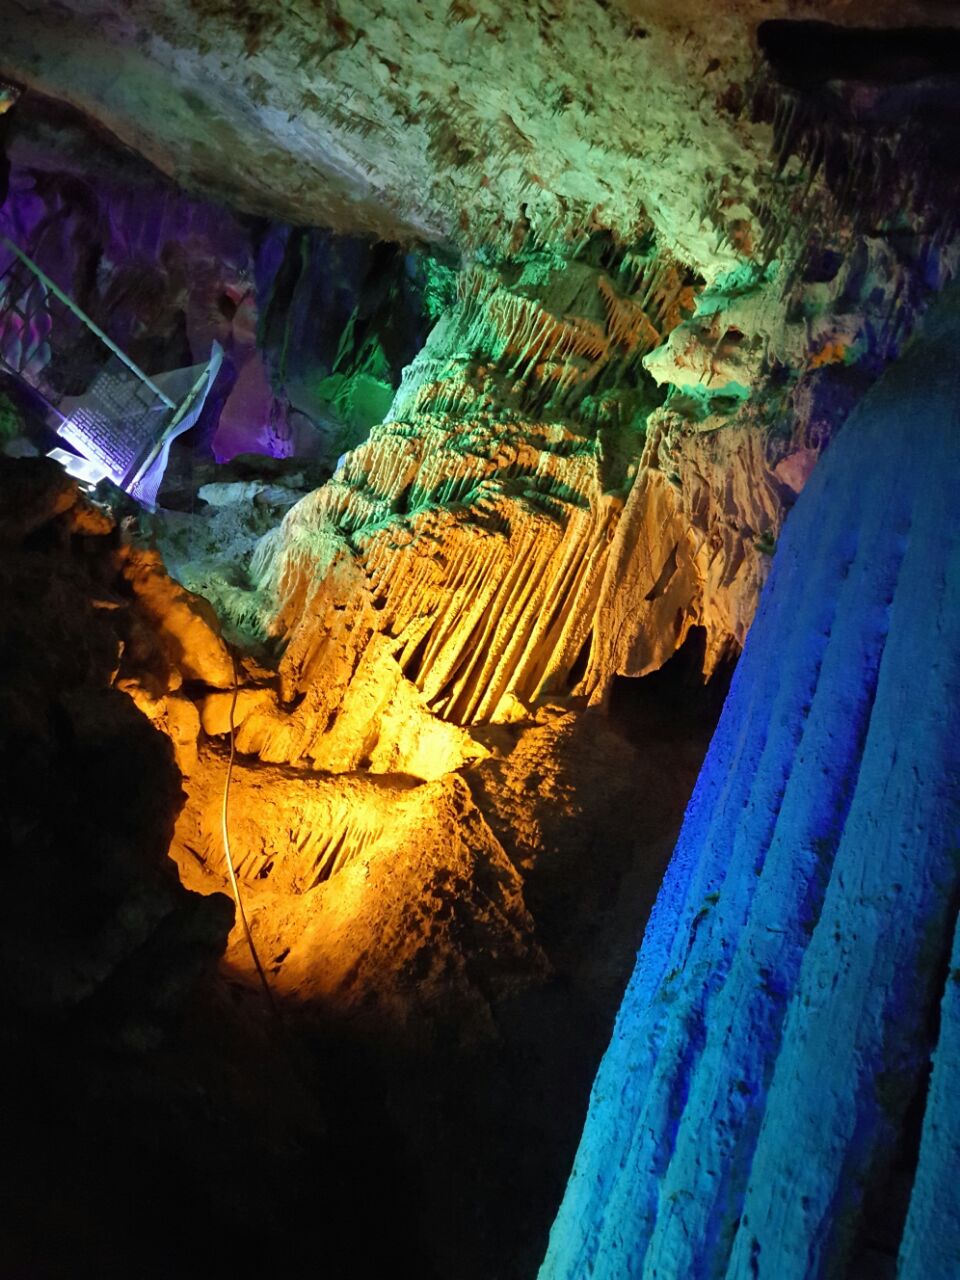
{"x":103,"y":929}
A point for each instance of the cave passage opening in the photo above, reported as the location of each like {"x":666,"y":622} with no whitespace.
{"x":675,"y":701}
{"x":807,"y":54}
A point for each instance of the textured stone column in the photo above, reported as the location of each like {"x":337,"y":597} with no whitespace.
{"x":931,"y":1240}
{"x":778,"y":1023}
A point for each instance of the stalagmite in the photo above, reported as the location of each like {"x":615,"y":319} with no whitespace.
{"x":777,"y":1027}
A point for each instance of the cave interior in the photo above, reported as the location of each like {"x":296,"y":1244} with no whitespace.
{"x":480,"y":618}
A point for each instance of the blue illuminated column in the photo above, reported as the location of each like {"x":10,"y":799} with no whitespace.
{"x":781,"y":1016}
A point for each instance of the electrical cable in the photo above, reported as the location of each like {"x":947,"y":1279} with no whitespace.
{"x":226,"y":846}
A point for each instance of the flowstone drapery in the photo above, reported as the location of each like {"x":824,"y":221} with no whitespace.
{"x":777,"y":1034}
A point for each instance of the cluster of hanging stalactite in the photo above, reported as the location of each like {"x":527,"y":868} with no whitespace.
{"x":471,"y":530}
{"x":870,"y":122}
{"x":466,"y":544}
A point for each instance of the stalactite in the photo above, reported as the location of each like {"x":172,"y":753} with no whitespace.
{"x":503,"y":516}
{"x":857,"y":170}
{"x":776,"y":1025}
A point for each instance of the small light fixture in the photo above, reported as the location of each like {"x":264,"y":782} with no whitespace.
{"x":9,"y":94}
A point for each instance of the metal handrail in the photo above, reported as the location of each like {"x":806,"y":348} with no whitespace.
{"x":82,"y":315}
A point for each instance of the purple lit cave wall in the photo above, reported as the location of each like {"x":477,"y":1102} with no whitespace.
{"x":315,"y":328}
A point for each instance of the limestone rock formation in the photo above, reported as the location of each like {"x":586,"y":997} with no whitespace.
{"x":386,"y":902}
{"x":531,"y":521}
{"x":137,"y":1083}
{"x":584,"y":529}
{"x":663,"y":249}
{"x":931,"y":1236}
{"x":752,"y":1112}
{"x":463,"y":544}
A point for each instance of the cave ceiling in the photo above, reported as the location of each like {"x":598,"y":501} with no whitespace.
{"x":442,"y":122}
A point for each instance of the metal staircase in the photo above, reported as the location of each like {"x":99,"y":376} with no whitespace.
{"x":119,"y":420}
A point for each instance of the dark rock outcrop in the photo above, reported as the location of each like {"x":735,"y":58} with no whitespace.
{"x":91,"y":788}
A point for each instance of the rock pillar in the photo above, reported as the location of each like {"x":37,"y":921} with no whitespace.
{"x":778,"y":1030}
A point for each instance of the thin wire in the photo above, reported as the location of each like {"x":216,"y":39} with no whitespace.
{"x":226,"y":845}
